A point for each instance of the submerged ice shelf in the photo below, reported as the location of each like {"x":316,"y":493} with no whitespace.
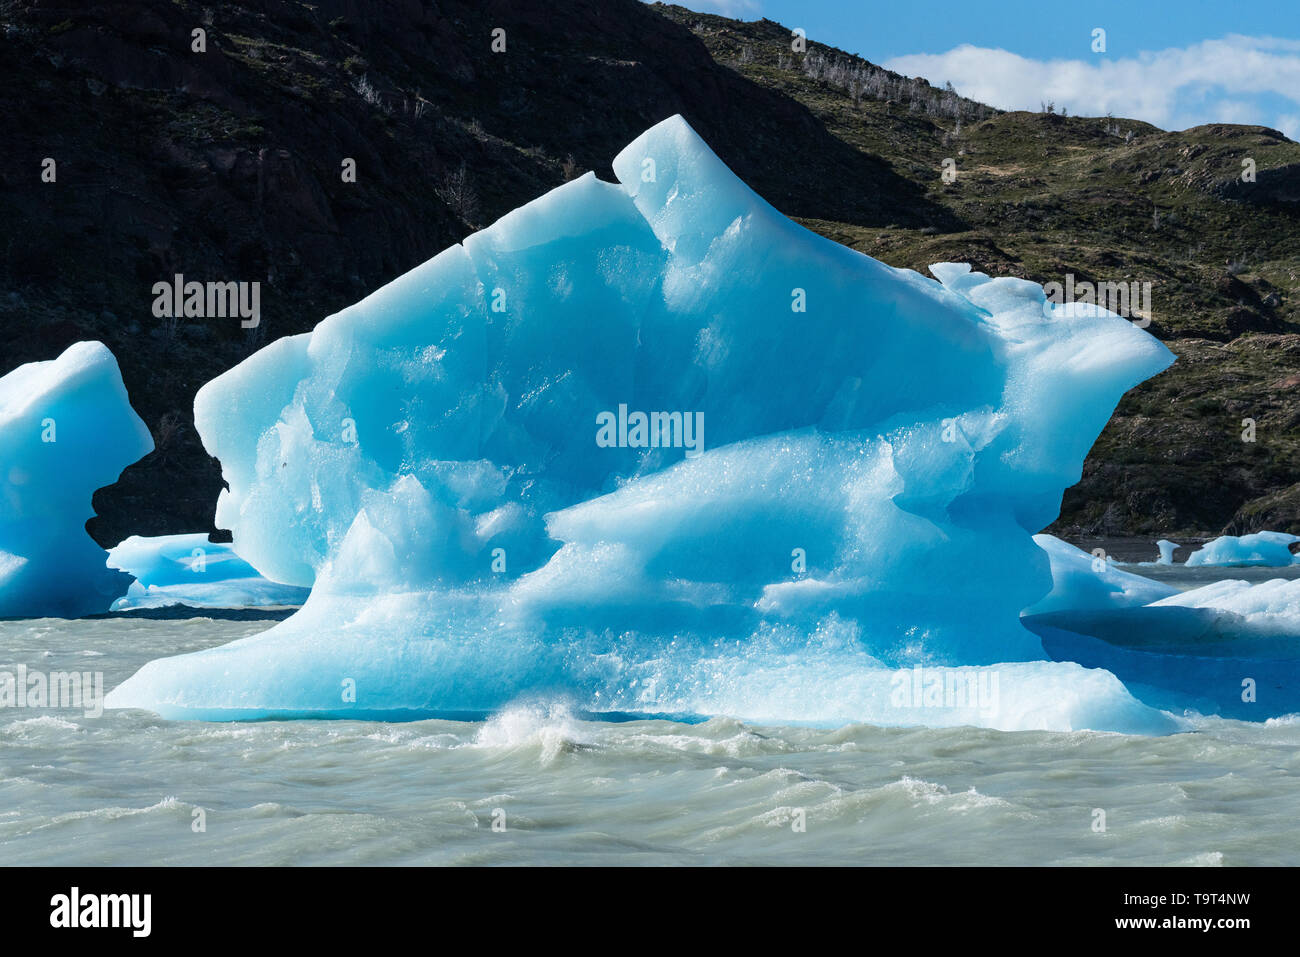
{"x":1229,"y":648}
{"x":437,"y":463}
{"x":66,"y":429}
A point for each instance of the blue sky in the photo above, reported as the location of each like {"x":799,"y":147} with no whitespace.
{"x":1174,"y":64}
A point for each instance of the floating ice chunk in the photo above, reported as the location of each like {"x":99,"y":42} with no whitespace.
{"x":878,"y":448}
{"x":1260,"y":548}
{"x":1273,"y":604}
{"x":1228,"y":648}
{"x":66,"y":429}
{"x":177,"y":560}
{"x":1083,"y":581}
{"x":190,"y":570}
{"x":254,"y":592}
{"x":1167,"y":549}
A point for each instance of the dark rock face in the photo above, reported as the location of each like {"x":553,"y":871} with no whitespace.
{"x":1278,"y":185}
{"x":228,"y":165}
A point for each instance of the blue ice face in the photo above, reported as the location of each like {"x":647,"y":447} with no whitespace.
{"x":66,"y":429}
{"x":653,"y":446}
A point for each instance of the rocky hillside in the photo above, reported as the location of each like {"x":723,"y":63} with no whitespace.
{"x":225,"y":164}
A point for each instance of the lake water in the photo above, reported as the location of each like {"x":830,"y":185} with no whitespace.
{"x":130,"y":788}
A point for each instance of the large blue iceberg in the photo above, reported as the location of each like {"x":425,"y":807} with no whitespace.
{"x":66,"y":429}
{"x":652,"y":447}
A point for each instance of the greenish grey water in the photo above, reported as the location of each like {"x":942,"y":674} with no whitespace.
{"x":124,"y":788}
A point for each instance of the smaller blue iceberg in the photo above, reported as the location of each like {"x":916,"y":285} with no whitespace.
{"x":1272,"y":549}
{"x":66,"y":429}
{"x":190,"y":570}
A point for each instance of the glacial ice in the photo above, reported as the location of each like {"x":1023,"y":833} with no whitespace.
{"x":1230,"y":648}
{"x":1173,"y":650}
{"x":1167,"y":549}
{"x":879,"y":448}
{"x":190,"y":570}
{"x":1083,"y":581}
{"x":1272,"y":606}
{"x":66,"y":429}
{"x":1260,"y":548}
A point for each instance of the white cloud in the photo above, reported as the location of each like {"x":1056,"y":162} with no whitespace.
{"x":1232,"y":79}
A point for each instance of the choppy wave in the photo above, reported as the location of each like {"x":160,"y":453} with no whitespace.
{"x":536,"y":782}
